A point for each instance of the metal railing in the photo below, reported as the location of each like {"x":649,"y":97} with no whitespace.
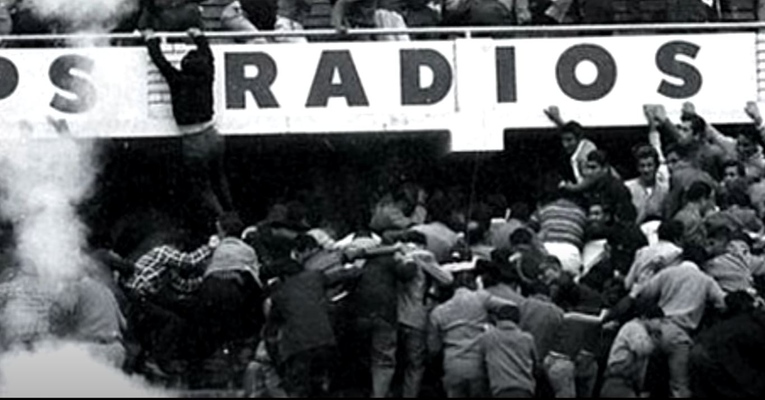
{"x":466,"y":32}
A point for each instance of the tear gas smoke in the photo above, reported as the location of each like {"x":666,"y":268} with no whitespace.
{"x":67,"y":370}
{"x":43,"y":182}
{"x":83,"y":15}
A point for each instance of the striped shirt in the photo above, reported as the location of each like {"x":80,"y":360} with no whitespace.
{"x":561,"y":221}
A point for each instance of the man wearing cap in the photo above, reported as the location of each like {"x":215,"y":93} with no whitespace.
{"x":456,"y":327}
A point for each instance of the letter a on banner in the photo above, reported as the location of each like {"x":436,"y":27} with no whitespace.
{"x":350,"y":84}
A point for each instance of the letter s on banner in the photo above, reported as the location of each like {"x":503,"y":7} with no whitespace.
{"x":570,"y":84}
{"x":9,"y":78}
{"x":668,"y":64}
{"x":60,"y":74}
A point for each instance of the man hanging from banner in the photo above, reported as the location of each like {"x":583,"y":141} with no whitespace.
{"x":191,"y":90}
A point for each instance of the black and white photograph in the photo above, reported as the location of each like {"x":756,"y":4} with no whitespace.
{"x":382,"y":198}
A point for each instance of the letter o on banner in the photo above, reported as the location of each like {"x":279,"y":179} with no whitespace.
{"x":566,"y":72}
{"x":9,"y":78}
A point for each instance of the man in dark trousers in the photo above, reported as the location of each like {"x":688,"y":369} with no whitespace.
{"x":191,"y":90}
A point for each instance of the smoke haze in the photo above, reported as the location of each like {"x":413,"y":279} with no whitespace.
{"x":67,"y":370}
{"x":84,"y":15}
{"x":43,"y":181}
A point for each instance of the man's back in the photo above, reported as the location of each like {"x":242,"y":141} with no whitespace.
{"x":376,"y":293}
{"x":509,"y":355}
{"x":299,"y":305}
{"x":682,"y":293}
{"x":460,"y":323}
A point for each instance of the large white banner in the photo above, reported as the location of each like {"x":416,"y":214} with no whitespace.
{"x":473,"y":87}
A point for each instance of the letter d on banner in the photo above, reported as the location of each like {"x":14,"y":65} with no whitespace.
{"x":411,"y":62}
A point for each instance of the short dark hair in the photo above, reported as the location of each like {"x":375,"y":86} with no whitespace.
{"x":440,"y":207}
{"x":698,"y":125}
{"x":598,"y":156}
{"x":231,"y":224}
{"x":304,"y":242}
{"x":520,"y":211}
{"x":720,"y":232}
{"x":671,"y":231}
{"x":751,"y":133}
{"x":683,"y":151}
{"x":506,"y":313}
{"x":740,"y":168}
{"x":646,"y":151}
{"x":414,"y":237}
{"x":698,"y":191}
{"x":737,"y":193}
{"x":574,"y":128}
{"x":521,"y":236}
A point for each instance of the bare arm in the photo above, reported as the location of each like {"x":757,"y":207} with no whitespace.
{"x":553,"y":113}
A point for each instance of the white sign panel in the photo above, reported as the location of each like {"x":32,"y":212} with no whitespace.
{"x":474,"y":88}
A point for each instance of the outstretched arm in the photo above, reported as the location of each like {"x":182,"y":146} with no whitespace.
{"x":553,"y":113}
{"x":155,"y":52}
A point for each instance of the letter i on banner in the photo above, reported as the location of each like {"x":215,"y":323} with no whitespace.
{"x":476,"y":126}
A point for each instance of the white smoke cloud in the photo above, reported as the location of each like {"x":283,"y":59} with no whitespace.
{"x":43,"y":181}
{"x":67,"y":370}
{"x":84,"y":15}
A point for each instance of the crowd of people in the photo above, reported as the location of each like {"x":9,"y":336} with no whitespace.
{"x":604,"y":287}
{"x":20,"y":16}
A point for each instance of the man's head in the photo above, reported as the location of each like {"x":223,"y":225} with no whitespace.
{"x":599,"y":216}
{"x":692,"y":124}
{"x":570,"y":136}
{"x":406,"y":197}
{"x":506,"y":313}
{"x":597,"y":165}
{"x":671,"y":231}
{"x":677,"y":155}
{"x":747,"y":142}
{"x":718,"y":238}
{"x":521,"y":236}
{"x":230,"y":225}
{"x":305,"y":246}
{"x":551,"y":269}
{"x":733,"y":170}
{"x":647,"y":159}
{"x":700,"y":193}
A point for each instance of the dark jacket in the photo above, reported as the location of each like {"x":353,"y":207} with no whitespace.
{"x":191,"y":88}
{"x":299,"y":308}
{"x":376,"y":293}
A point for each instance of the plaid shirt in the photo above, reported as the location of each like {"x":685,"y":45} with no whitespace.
{"x":167,"y":265}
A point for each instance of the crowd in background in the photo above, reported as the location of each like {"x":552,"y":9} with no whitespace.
{"x":19,"y":17}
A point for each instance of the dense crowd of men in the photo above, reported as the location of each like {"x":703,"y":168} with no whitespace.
{"x":604,"y":287}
